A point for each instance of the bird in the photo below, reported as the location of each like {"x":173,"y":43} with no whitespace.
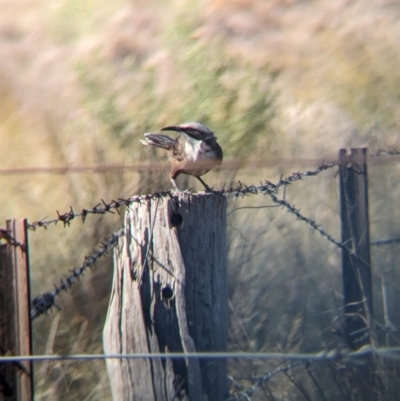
{"x":194,"y":152}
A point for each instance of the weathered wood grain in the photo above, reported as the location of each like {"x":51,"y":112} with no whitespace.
{"x":152,"y":259}
{"x":15,"y":322}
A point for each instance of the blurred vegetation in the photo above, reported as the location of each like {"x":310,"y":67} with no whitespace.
{"x":285,"y":83}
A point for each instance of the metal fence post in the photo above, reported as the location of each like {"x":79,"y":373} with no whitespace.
{"x":356,"y":261}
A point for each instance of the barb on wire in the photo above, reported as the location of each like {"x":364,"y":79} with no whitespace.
{"x":269,"y":187}
{"x":100,"y":208}
{"x":264,"y":378}
{"x":6,"y":235}
{"x":307,"y":220}
{"x":44,"y":302}
{"x":240,"y":190}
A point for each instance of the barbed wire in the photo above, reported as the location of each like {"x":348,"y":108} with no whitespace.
{"x":264,"y":378}
{"x":268,"y":187}
{"x":271,"y":189}
{"x":42,"y":303}
{"x":46,"y":301}
{"x":311,"y":223}
{"x":388,"y":241}
{"x":383,"y":152}
{"x":238,"y":191}
{"x":336,"y":354}
{"x":100,"y":208}
{"x":293,"y":360}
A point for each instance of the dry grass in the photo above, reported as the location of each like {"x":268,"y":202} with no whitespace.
{"x":80,"y":81}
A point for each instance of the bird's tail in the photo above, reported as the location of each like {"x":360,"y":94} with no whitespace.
{"x":158,"y":140}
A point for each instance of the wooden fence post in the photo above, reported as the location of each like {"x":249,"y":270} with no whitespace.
{"x":170,"y":295}
{"x":356,"y":261}
{"x":15,"y":323}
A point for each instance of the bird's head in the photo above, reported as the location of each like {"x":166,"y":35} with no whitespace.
{"x":195,"y":130}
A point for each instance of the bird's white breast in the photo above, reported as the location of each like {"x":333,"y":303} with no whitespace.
{"x":194,"y":151}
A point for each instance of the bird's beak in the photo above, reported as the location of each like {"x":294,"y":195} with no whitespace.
{"x":172,"y":128}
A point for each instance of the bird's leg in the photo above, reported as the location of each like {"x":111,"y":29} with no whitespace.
{"x":208,"y":189}
{"x":174,"y":186}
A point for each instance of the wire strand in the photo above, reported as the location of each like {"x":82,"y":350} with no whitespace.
{"x":335,"y":354}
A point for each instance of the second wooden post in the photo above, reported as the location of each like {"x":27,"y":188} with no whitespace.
{"x":170,"y":295}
